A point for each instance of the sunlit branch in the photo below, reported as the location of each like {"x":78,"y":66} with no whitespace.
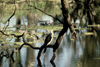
{"x":50,"y":46}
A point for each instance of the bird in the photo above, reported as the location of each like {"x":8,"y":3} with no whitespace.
{"x":48,"y":40}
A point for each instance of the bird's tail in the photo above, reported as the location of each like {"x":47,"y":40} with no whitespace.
{"x":45,"y":44}
{"x":45,"y":50}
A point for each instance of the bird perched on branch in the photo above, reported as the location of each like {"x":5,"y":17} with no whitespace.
{"x":48,"y":40}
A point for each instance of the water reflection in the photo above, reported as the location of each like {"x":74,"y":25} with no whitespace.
{"x":30,"y":58}
{"x":85,"y":52}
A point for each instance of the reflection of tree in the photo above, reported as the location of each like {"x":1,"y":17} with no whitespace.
{"x":53,"y":64}
{"x":90,"y":52}
{"x":1,"y":58}
{"x":15,"y":63}
{"x":39,"y":63}
{"x":30,"y":55}
{"x":91,"y":47}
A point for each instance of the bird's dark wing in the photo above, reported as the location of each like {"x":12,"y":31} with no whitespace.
{"x":48,"y":38}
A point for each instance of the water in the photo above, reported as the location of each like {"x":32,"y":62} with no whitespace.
{"x":84,"y":52}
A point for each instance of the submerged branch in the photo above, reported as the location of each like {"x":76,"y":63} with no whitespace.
{"x":18,"y":36}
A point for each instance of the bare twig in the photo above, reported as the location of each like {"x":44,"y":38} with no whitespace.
{"x":10,"y":18}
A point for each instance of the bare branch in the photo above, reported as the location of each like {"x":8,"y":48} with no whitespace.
{"x":44,"y":12}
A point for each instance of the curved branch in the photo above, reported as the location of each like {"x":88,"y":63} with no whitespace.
{"x":12,"y":14}
{"x":10,"y":18}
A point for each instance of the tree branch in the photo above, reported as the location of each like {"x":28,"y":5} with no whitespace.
{"x":44,"y":12}
{"x":67,"y":18}
{"x":67,"y":23}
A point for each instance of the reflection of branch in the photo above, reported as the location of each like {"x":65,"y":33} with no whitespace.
{"x":10,"y":18}
{"x":39,"y":63}
{"x":44,"y":12}
{"x":11,"y":56}
{"x":53,"y":64}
